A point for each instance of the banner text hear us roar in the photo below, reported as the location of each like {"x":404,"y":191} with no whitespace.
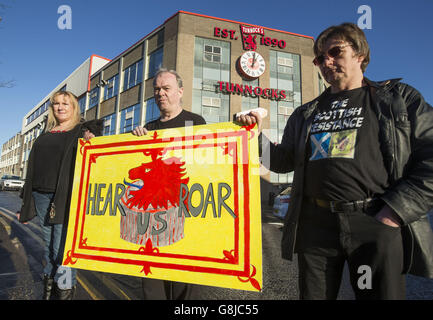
{"x":110,"y":199}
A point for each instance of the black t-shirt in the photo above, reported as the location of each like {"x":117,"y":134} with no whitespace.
{"x":344,"y":158}
{"x":48,"y":152}
{"x":183,"y":119}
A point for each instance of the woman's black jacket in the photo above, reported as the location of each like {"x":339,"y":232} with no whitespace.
{"x":61,"y":201}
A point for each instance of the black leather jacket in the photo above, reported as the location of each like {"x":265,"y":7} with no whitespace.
{"x":406,"y":139}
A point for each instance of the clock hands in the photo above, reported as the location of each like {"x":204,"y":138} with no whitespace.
{"x":254,"y":60}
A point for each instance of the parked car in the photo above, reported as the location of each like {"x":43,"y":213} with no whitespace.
{"x":281,"y":203}
{"x":9,"y":182}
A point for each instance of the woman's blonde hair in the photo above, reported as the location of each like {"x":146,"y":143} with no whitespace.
{"x":52,"y":121}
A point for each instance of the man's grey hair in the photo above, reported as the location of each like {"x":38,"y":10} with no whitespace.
{"x":173,"y":72}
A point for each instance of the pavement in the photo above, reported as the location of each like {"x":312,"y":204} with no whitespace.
{"x":21,"y":269}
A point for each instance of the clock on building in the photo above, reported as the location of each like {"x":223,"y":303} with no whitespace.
{"x":251,"y":64}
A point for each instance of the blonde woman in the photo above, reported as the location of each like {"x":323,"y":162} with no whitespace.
{"x":48,"y":186}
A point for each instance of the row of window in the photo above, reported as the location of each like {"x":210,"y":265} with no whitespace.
{"x":130,"y":118}
{"x":41,"y":109}
{"x":38,"y":112}
{"x":132,"y":76}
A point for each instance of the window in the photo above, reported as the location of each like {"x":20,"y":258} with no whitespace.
{"x":35,"y":114}
{"x":284,"y":64}
{"x":155,"y":63}
{"x":82,"y":103}
{"x":93,"y":97}
{"x":109,"y":125}
{"x":249,"y":102}
{"x":152,"y":110}
{"x":212,"y":53}
{"x":211,"y":102}
{"x":288,"y":62}
{"x":112,"y":87}
{"x":211,"y":64}
{"x":284,"y":75}
{"x":129,"y":118}
{"x":285,"y":110}
{"x":45,"y":106}
{"x":133,"y":75}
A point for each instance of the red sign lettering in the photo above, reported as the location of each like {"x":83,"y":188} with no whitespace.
{"x":224,"y":33}
{"x":249,"y":37}
{"x":254,"y":92}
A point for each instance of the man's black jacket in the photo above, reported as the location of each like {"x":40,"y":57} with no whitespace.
{"x":406,"y":140}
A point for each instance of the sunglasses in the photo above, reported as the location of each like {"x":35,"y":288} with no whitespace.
{"x":334,"y":52}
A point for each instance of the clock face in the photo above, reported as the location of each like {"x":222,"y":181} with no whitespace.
{"x":252,"y":64}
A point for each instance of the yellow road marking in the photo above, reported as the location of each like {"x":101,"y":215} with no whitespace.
{"x":93,"y":293}
{"x":113,"y":287}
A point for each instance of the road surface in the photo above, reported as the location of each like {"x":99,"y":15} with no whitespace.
{"x":21,"y":268}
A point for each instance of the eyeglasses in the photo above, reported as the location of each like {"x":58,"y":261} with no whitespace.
{"x":334,"y":52}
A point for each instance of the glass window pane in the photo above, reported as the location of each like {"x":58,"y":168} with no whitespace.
{"x":155,"y":62}
{"x":208,"y":57}
{"x":152,"y":110}
{"x":131,"y":76}
{"x":211,"y":64}
{"x":139,"y":71}
{"x":109,"y":125}
{"x":128,"y":125}
{"x":94,"y":97}
{"x":126,"y":79}
{"x":211,"y":74}
{"x":284,"y":75}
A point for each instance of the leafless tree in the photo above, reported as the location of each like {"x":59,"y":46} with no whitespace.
{"x":7,"y":84}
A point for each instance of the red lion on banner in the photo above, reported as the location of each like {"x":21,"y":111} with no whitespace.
{"x":161,"y":183}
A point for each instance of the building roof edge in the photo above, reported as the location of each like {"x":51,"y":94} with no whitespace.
{"x":238,"y":22}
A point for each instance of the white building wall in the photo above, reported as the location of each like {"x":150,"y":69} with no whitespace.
{"x":77,"y":83}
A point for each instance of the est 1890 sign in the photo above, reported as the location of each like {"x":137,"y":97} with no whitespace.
{"x":262,"y":40}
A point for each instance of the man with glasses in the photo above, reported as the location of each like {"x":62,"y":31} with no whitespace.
{"x":362,"y":156}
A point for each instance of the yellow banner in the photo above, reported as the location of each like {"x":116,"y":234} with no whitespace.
{"x":178,"y":204}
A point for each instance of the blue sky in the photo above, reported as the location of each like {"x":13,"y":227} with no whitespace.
{"x":38,"y":56}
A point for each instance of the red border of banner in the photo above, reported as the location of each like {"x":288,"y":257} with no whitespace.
{"x":231,"y":256}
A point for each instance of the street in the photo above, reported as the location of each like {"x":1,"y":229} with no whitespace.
{"x":21,"y":267}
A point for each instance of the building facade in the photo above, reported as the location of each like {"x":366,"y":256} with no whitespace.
{"x":10,"y":162}
{"x":213,"y":57}
{"x":33,"y":123}
{"x":226,"y":67}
